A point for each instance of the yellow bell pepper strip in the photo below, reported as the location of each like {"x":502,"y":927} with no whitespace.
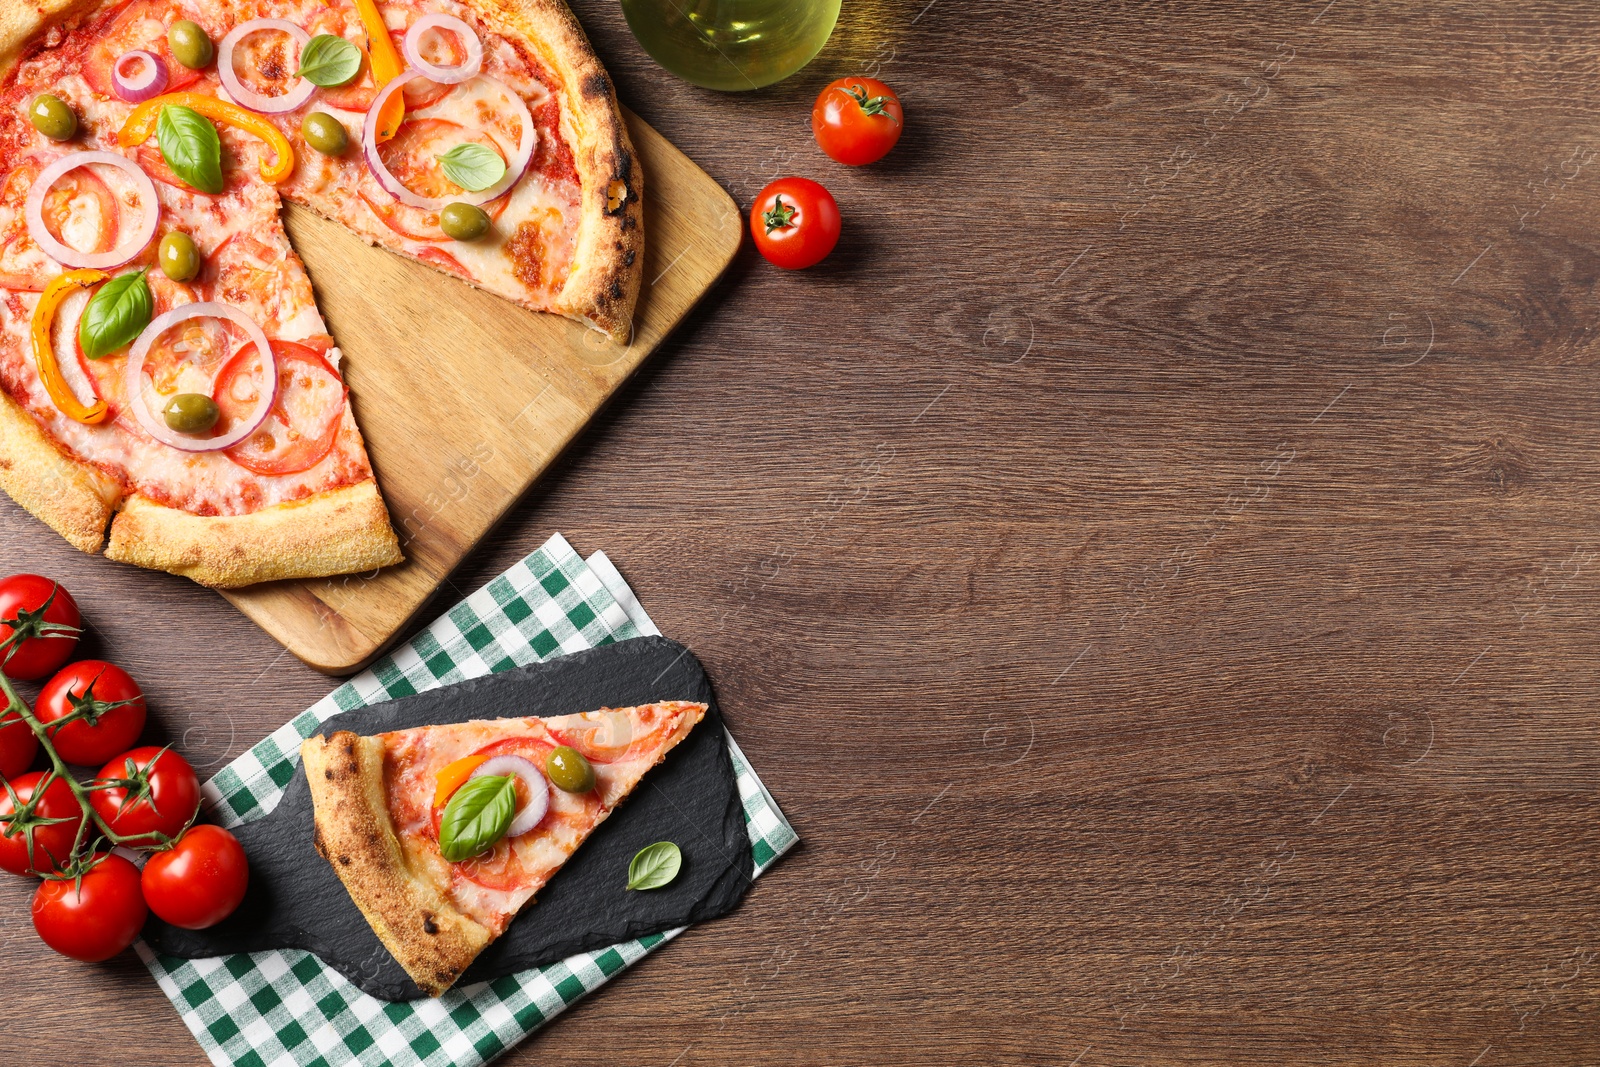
{"x":453,"y":776}
{"x":142,"y":123}
{"x":44,"y":353}
{"x":386,"y":66}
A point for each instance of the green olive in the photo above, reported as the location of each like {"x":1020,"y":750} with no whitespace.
{"x":325,"y":133}
{"x":180,"y":259}
{"x":463,"y":221}
{"x":191,"y":45}
{"x":53,"y":117}
{"x":569,"y":770}
{"x":191,"y":413}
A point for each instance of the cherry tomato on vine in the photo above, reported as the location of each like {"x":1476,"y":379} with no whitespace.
{"x":857,"y":120}
{"x":146,"y":792}
{"x":94,"y":917}
{"x":109,"y":709}
{"x":18,"y":746}
{"x":200,"y":880}
{"x":52,"y":839}
{"x":39,"y":608}
{"x":795,"y":223}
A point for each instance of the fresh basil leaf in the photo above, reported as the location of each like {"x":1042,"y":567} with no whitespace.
{"x":655,"y":866}
{"x":477,"y":816}
{"x":473,"y":166}
{"x":116,"y":315}
{"x":329,"y":60}
{"x":191,"y":147}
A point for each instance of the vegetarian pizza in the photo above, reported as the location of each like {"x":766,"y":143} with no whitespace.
{"x":168,"y":389}
{"x":442,"y":834}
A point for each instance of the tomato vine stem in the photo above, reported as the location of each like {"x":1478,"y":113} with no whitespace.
{"x":76,"y":863}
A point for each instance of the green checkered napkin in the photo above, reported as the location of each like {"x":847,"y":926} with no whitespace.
{"x":285,"y":1008}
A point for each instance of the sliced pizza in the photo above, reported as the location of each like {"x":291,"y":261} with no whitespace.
{"x":389,"y":813}
{"x":214,"y":436}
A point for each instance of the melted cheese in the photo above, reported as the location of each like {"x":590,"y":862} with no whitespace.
{"x":508,"y":877}
{"x":249,"y":263}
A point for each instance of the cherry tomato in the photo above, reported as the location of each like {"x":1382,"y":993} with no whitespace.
{"x":52,"y":841}
{"x":857,"y":120}
{"x":18,"y":746}
{"x":22,"y":596}
{"x":200,"y":880}
{"x":92,"y":918}
{"x":156,"y":793}
{"x":795,"y":223}
{"x":111,"y":705}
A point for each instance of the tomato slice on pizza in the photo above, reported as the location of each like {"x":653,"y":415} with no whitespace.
{"x":216,"y":439}
{"x":382,"y":807}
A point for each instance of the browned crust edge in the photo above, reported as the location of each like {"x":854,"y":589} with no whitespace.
{"x":21,"y":21}
{"x":609,"y":258}
{"x":341,"y":531}
{"x":415,"y":921}
{"x":73,"y":498}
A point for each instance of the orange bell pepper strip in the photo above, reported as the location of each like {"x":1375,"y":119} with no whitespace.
{"x":142,"y":123}
{"x":386,"y":66}
{"x":453,"y":776}
{"x":44,"y":353}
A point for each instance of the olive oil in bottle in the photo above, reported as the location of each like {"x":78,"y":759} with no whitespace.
{"x":732,"y":44}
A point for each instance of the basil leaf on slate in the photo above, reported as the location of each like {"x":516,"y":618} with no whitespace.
{"x":329,"y":60}
{"x":473,"y":166}
{"x":116,"y":315}
{"x":655,"y":866}
{"x":190,"y":145}
{"x":477,"y":816}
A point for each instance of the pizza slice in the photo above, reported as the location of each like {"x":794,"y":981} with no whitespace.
{"x":384,"y":820}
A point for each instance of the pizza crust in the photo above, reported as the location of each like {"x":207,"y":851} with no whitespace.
{"x":419,"y":926}
{"x":341,"y":531}
{"x":604,"y":285}
{"x":345,"y":530}
{"x":21,"y":22}
{"x":73,"y":498}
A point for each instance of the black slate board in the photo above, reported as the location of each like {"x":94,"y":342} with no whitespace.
{"x":296,"y":901}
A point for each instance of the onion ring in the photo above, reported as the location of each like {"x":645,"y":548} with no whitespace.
{"x":157,"y":427}
{"x":68,"y":256}
{"x":397,"y":189}
{"x":150,"y":79}
{"x":246,"y":97}
{"x":433,"y":71}
{"x":531,"y":813}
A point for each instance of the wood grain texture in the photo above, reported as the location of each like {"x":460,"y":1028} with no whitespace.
{"x":1184,"y":653}
{"x":465,"y":399}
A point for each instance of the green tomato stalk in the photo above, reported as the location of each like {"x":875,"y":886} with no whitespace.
{"x":81,"y":859}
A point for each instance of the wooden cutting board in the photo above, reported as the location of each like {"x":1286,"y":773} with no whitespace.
{"x":465,"y":399}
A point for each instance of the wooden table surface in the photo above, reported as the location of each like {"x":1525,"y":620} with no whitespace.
{"x":1155,"y":563}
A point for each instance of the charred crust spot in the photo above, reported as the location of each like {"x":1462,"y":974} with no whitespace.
{"x":627,"y":222}
{"x":345,"y":860}
{"x":617,"y":196}
{"x":628,"y":257}
{"x":428,"y":925}
{"x":598,"y":85}
{"x":327,"y":772}
{"x":616,"y":288}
